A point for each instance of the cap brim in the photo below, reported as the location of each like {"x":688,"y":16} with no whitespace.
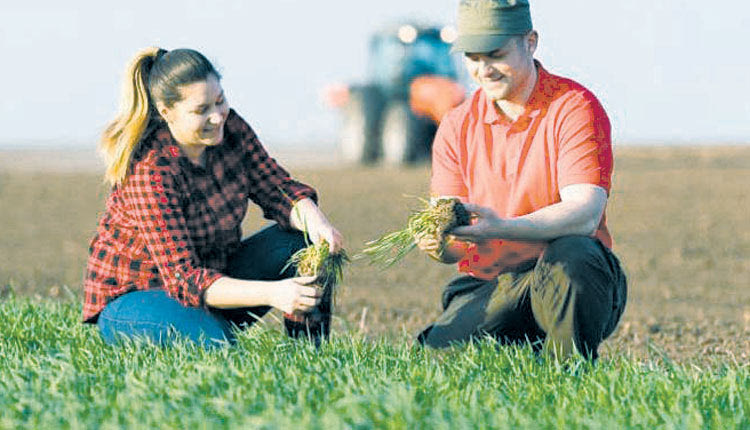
{"x":480,"y":42}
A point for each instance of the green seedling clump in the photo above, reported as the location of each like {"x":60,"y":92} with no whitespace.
{"x":434,"y":219}
{"x":328,"y":269}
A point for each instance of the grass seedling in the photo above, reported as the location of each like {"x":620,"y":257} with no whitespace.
{"x":317,"y":260}
{"x":328,"y":269}
{"x":433,"y":219}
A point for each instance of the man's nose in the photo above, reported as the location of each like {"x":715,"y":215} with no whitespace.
{"x":485,"y":68}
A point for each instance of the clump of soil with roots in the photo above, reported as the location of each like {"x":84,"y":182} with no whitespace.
{"x":328,"y":269}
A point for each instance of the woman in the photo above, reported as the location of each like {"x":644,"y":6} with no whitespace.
{"x":167,"y":256}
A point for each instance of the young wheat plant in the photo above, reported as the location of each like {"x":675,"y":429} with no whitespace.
{"x":434,"y":219}
{"x":328,"y":269}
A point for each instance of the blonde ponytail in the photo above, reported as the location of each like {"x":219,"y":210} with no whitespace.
{"x":120,"y":138}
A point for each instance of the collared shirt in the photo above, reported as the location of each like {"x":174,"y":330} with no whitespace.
{"x":518,"y":167}
{"x":172,"y":224}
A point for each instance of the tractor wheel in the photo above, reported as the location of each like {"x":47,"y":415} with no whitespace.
{"x":405,"y":137}
{"x":359,"y":133}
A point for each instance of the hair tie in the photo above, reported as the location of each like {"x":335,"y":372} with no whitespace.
{"x":160,"y":53}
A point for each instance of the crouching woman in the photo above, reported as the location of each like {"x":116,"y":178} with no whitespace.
{"x":167,"y":257}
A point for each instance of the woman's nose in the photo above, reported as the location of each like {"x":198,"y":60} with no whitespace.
{"x":216,"y":116}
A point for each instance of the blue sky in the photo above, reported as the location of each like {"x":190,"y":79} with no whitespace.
{"x":667,"y":71}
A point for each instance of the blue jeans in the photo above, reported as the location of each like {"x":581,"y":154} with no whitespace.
{"x":155,"y":316}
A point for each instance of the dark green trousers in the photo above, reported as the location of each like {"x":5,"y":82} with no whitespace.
{"x":571,"y":298}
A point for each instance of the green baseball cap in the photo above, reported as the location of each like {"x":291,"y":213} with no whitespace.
{"x":485,"y":25}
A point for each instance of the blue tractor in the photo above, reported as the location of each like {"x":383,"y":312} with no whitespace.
{"x":412,"y":82}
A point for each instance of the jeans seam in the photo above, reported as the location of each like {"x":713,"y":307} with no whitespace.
{"x":133,"y":322}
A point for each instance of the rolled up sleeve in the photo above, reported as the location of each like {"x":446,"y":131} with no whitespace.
{"x":271,"y":186}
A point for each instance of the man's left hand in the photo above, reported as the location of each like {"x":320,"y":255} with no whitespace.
{"x":487,"y":226}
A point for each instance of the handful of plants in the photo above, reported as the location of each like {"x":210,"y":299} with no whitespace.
{"x":328,"y":269}
{"x":434,"y":219}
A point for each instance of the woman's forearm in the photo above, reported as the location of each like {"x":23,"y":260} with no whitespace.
{"x":227,"y":293}
{"x":305,"y":215}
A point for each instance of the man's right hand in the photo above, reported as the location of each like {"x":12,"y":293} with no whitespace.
{"x":430,"y":244}
{"x":295,"y":296}
{"x":440,"y":249}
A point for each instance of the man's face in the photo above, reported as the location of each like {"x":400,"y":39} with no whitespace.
{"x":504,"y":73}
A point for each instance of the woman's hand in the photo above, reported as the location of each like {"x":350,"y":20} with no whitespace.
{"x":325,"y":231}
{"x":307,"y":217}
{"x":295,"y":296}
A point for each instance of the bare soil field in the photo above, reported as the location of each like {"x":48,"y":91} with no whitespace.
{"x":679,"y":217}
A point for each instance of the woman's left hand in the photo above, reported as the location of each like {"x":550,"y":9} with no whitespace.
{"x":307,"y":217}
{"x":325,"y":231}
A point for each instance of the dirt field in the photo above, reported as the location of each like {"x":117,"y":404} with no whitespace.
{"x":679,"y":217}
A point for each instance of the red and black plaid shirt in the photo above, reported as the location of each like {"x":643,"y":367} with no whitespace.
{"x":172,"y":225}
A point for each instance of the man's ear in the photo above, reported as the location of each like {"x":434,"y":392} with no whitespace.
{"x":531,"y":41}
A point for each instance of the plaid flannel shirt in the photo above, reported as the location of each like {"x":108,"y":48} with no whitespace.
{"x":172,"y":224}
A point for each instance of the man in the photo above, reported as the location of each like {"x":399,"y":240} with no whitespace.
{"x":530,"y":155}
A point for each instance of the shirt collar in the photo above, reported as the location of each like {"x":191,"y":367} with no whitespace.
{"x":168,"y":148}
{"x":492,"y":114}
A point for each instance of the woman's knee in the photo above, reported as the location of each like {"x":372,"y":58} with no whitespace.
{"x":264,"y":255}
{"x":154,"y":316}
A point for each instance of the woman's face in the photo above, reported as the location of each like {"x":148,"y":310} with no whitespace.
{"x":198,"y":119}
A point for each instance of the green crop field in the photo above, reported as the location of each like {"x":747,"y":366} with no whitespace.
{"x":680,"y":358}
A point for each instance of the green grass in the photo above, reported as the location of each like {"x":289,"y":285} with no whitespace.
{"x":56,"y":373}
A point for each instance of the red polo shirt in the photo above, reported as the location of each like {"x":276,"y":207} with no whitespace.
{"x":518,"y":167}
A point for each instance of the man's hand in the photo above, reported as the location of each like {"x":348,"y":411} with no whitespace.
{"x":488,"y":225}
{"x":579,"y":212}
{"x":431,"y":245}
{"x":443,"y":249}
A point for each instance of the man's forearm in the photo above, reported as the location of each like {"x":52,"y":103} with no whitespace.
{"x":560,"y":219}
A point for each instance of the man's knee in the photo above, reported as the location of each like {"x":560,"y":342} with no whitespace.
{"x":572,"y":250}
{"x":578,"y":281}
{"x":579,"y":256}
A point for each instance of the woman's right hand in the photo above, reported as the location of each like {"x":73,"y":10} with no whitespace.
{"x":295,"y":296}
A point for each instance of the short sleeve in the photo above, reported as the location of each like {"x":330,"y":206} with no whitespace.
{"x":446,"y":178}
{"x":585,"y":144}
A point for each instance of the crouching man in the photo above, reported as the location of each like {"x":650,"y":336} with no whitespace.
{"x":530,"y":155}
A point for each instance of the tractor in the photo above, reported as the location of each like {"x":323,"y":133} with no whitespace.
{"x":412,"y":82}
